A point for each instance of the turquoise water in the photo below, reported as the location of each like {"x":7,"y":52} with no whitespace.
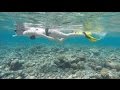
{"x":40,"y":55}
{"x":108,"y":20}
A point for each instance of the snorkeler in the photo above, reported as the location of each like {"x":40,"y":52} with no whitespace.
{"x":52,"y":34}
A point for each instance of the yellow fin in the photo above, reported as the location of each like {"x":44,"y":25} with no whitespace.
{"x":88,"y":33}
{"x":93,"y":39}
{"x":90,"y":37}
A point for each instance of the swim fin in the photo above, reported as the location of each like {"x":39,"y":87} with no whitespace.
{"x":87,"y":35}
{"x":90,"y":37}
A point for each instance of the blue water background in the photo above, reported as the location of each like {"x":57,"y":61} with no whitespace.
{"x":7,"y":39}
{"x":112,"y":39}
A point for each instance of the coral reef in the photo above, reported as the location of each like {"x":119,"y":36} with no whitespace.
{"x":113,"y":65}
{"x":54,"y":62}
{"x":105,"y":73}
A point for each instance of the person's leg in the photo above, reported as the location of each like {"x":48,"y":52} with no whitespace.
{"x":59,"y":35}
{"x":73,"y":34}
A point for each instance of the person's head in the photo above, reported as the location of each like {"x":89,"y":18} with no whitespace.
{"x":20,"y":28}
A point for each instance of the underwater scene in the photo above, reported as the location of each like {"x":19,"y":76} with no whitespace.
{"x":59,"y":45}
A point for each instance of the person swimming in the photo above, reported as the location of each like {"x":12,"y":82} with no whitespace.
{"x":52,"y":34}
